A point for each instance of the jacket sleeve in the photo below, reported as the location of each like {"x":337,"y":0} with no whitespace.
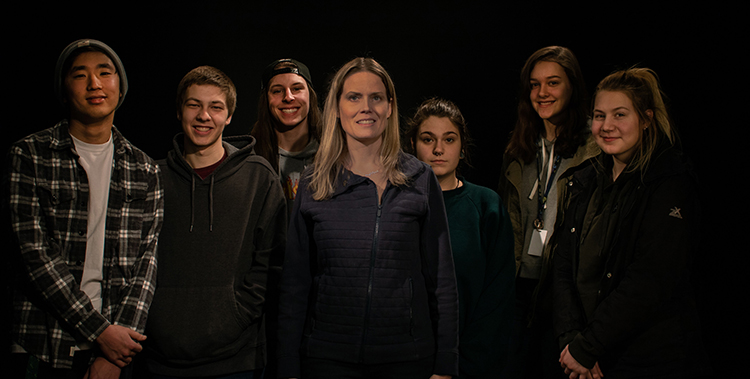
{"x":440,"y":280}
{"x":489,"y":325}
{"x":294,"y":288}
{"x":658,"y":269}
{"x":138,"y":292}
{"x":40,"y":253}
{"x":270,"y":240}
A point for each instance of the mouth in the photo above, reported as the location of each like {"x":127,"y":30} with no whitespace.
{"x":96,"y":99}
{"x":366,"y":122}
{"x":202,"y":129}
{"x":545,"y":104}
{"x":289,"y":110}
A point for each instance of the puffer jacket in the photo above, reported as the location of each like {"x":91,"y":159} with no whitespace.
{"x":369,"y":282}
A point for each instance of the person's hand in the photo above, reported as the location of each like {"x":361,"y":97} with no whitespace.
{"x":102,"y":369}
{"x":575,"y":370}
{"x":119,"y":344}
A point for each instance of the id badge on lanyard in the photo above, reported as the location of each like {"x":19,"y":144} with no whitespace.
{"x":539,"y":234}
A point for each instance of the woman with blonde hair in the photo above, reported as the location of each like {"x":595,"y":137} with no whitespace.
{"x":368,"y":287}
{"x":624,"y":307}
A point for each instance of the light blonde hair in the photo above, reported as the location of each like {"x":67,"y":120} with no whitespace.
{"x":329,"y":160}
{"x":641,"y":86}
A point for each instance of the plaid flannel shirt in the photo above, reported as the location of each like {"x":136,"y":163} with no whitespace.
{"x":47,"y":194}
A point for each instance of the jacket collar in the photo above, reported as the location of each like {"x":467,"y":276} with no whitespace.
{"x":61,"y":140}
{"x":407,"y":163}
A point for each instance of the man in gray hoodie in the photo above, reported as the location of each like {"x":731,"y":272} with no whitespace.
{"x":225,"y":218}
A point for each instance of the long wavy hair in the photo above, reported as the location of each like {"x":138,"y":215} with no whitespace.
{"x":329,"y":160}
{"x":529,"y":126}
{"x":264,"y":130}
{"x":641,"y":86}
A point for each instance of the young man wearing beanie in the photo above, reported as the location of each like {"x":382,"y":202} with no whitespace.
{"x":86,"y":209}
{"x":225,"y":218}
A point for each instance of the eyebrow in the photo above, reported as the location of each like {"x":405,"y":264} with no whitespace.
{"x":100,"y":65}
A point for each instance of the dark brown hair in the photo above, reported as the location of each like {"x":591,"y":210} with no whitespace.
{"x":529,"y":126}
{"x":264,"y":130}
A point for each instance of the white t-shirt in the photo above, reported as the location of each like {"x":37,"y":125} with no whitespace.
{"x":96,"y":159}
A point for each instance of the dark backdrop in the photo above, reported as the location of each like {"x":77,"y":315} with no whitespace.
{"x":470,"y":53}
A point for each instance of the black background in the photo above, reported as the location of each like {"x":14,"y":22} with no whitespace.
{"x":468,"y":52}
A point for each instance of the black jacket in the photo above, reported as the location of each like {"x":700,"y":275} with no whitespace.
{"x":645,"y":322}
{"x":369,"y":283}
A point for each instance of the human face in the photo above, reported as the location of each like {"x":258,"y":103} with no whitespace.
{"x":616,"y":126}
{"x":288,"y":99}
{"x":439,"y":145}
{"x":550,"y":91}
{"x":364,"y":108}
{"x":204,"y":116}
{"x":93,"y":88}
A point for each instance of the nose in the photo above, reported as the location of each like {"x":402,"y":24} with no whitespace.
{"x":438,"y":148}
{"x":288,"y":96}
{"x":203,"y":115}
{"x":94,"y":83}
{"x":608,"y":125}
{"x":543,"y":90}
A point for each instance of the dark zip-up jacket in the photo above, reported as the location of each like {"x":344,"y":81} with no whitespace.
{"x":645,"y":322}
{"x":369,"y":282}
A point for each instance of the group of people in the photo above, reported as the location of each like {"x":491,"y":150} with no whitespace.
{"x":326,"y":244}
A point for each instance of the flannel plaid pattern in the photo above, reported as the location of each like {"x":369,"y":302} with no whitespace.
{"x":47,"y":195}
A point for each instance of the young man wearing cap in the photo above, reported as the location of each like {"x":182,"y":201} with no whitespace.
{"x":287,"y":130}
{"x":225,"y":217}
{"x":86,"y":209}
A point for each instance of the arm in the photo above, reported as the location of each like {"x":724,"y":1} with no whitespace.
{"x":269,"y":239}
{"x":294,"y":288}
{"x":440,"y":279}
{"x":488,"y":326}
{"x":136,"y":289}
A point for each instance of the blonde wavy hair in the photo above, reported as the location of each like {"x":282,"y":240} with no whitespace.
{"x":332,"y":152}
{"x":641,"y":86}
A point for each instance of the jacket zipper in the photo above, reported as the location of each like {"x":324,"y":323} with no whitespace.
{"x":371,"y":278}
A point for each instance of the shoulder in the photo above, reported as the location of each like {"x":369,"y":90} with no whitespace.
{"x":135,"y":158}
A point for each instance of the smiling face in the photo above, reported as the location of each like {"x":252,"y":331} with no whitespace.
{"x":288,"y":100}
{"x":363,"y":108}
{"x":438,"y":144}
{"x":550,"y":91}
{"x":92,"y":88}
{"x":616,"y":126}
{"x":204,"y":116}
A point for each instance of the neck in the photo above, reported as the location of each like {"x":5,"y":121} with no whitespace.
{"x":362,"y":158}
{"x":449,"y":181}
{"x":203,"y":157}
{"x":294,"y":139}
{"x":94,"y":133}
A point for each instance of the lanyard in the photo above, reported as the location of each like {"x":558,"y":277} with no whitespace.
{"x":543,"y":191}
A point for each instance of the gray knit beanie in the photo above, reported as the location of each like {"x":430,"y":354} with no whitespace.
{"x":60,"y":76}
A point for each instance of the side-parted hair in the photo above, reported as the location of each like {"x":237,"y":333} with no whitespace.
{"x":329,"y":160}
{"x":439,"y":108}
{"x":641,"y":86}
{"x":207,"y":75}
{"x":529,"y":126}
{"x":264,"y":130}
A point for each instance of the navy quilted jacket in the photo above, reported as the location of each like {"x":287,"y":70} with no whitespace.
{"x":370,"y":283}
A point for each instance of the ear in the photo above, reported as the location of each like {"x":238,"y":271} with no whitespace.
{"x":650,"y":115}
{"x":229,"y":119}
{"x":390,"y":108}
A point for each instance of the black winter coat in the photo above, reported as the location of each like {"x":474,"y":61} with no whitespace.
{"x":645,"y":322}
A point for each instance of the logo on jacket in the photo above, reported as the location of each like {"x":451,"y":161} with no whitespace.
{"x":675,"y":213}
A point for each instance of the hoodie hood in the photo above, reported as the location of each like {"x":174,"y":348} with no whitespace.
{"x":237,"y":148}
